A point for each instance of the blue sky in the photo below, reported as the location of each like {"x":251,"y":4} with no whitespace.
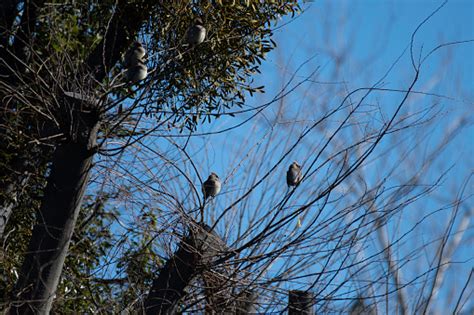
{"x":349,"y":45}
{"x":371,"y":36}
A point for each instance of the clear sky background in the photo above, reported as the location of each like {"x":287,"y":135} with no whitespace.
{"x":369,"y":37}
{"x":349,"y":45}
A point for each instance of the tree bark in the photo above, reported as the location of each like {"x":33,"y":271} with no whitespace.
{"x":56,"y":219}
{"x":194,"y":255}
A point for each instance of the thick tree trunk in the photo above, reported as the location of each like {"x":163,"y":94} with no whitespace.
{"x":56,"y":219}
{"x":193,"y":256}
{"x":72,"y":160}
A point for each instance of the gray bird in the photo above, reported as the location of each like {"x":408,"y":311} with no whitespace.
{"x":212,"y":186}
{"x":196,"y":33}
{"x":293,"y":176}
{"x":137,"y":73}
{"x":134,"y":55}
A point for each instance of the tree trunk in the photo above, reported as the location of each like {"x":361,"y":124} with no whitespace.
{"x":193,"y":256}
{"x":56,"y":219}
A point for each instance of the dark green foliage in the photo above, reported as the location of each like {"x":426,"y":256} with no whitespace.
{"x":80,"y":290}
{"x":193,"y":85}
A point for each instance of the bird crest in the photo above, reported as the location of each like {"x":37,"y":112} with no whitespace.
{"x":295,"y":164}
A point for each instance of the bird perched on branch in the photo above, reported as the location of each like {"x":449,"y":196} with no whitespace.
{"x":196,"y":33}
{"x":134,"y":55}
{"x":135,"y":63}
{"x":293,"y":176}
{"x":210,"y":188}
{"x":137,"y":73}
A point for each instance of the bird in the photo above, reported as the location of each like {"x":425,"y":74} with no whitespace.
{"x":134,"y":55}
{"x":293,"y":176}
{"x":137,"y":73}
{"x":196,"y":33}
{"x":212,"y":186}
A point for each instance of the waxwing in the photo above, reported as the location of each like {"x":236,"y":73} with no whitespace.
{"x":212,"y":186}
{"x":137,"y":73}
{"x":134,"y":55}
{"x":293,"y":176}
{"x":196,"y":33}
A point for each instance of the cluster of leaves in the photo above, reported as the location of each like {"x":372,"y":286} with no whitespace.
{"x":140,"y":264}
{"x":28,"y":117}
{"x":195,"y":84}
{"x":49,"y":57}
{"x":18,"y":232}
{"x":86,"y":286}
{"x":92,"y":239}
{"x":90,"y":243}
{"x":71,"y":28}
